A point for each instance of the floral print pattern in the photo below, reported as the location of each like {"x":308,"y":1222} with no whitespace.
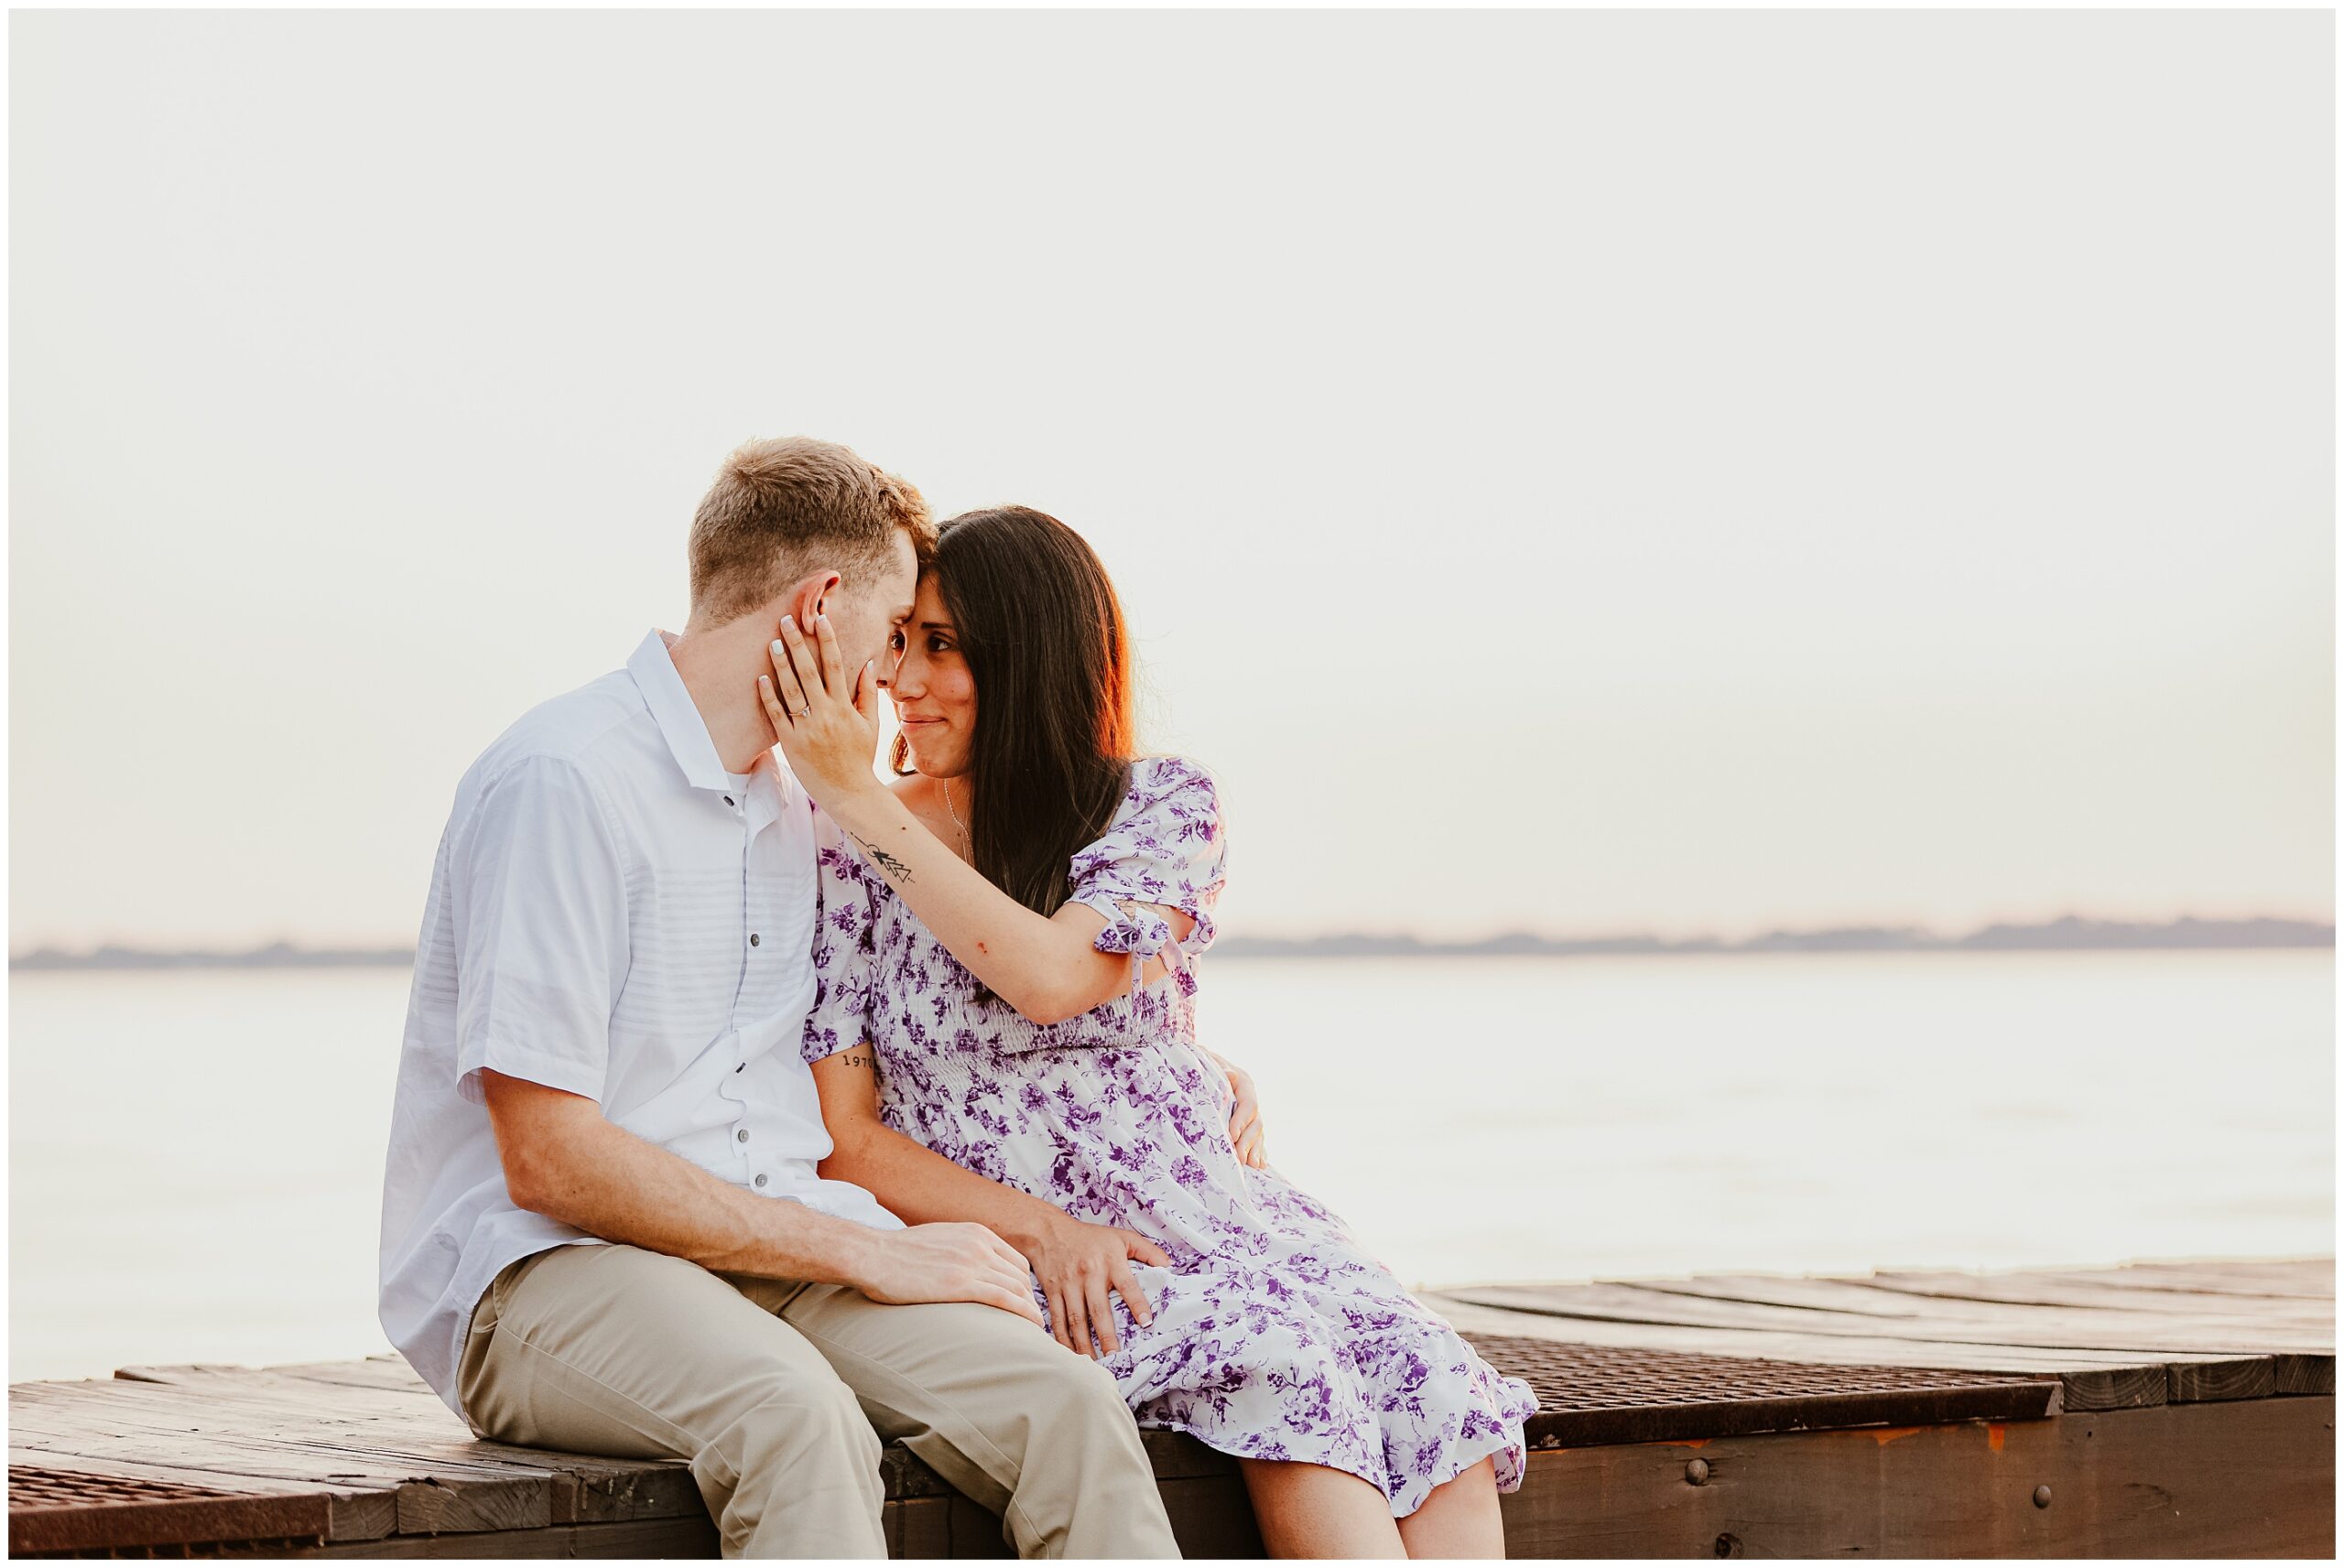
{"x":1275,"y":1335}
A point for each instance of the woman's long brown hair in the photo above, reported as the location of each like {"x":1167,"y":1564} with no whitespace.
{"x":1050,"y":756}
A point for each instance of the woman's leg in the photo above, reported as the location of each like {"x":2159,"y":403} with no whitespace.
{"x":1314,"y":1511}
{"x":1460,"y":1518}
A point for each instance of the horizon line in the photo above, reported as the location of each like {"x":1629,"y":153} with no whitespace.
{"x":2068,"y":932}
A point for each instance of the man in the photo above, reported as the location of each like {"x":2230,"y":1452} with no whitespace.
{"x":602,"y":1227}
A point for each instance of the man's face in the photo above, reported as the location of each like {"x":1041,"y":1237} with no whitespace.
{"x":863,"y":613}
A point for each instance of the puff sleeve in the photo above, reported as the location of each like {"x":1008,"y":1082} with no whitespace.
{"x":1164,"y":847}
{"x":845,"y":954}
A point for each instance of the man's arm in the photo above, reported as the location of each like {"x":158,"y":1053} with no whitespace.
{"x":564,"y":1159}
{"x":1245,"y":1128}
{"x":1076,"y":1263}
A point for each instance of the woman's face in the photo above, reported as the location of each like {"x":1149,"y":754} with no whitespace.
{"x":935,"y":695}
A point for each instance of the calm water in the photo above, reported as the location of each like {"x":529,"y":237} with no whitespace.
{"x":196,"y":1158}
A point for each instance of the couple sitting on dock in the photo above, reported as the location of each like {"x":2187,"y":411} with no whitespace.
{"x":669,"y":973}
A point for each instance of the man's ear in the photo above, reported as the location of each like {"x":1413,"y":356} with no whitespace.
{"x":810,"y":598}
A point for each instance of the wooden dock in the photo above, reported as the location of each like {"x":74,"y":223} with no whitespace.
{"x":2159,"y":1410}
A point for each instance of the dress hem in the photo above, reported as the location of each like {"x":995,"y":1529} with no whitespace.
{"x":1500,"y":1445}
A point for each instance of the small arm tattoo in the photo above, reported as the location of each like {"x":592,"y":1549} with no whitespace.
{"x":862,"y":1059}
{"x":895,"y":870}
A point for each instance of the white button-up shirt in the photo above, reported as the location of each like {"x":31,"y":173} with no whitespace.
{"x":610,"y":914}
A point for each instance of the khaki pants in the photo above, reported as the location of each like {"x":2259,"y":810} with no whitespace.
{"x":779,"y":1393}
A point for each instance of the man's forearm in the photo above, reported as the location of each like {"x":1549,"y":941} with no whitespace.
{"x":609,"y":1182}
{"x":921,"y":1185}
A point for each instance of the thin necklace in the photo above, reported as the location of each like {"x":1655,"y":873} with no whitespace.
{"x":956,"y":816}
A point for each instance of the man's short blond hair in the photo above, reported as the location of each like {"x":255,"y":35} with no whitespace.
{"x":789,"y":505}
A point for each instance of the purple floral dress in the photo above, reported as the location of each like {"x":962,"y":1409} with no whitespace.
{"x":1276,"y":1334}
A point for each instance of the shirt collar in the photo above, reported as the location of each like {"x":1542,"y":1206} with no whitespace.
{"x":686,"y":732}
{"x":674,"y":711}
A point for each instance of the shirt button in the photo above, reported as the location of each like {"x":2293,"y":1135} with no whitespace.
{"x":753,"y":938}
{"x":741,"y":1066}
{"x":744,"y":1135}
{"x":728,"y":800}
{"x":761,"y":1181}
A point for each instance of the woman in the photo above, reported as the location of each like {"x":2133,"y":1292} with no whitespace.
{"x":1005,"y":1033}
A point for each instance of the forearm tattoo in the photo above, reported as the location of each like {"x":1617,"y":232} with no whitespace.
{"x":893,"y":870}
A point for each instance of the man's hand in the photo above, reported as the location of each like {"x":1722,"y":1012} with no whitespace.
{"x":1077,"y":1265}
{"x":948,"y":1261}
{"x":1246,"y":1130}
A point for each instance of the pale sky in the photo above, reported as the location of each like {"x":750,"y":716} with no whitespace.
{"x":1584,"y":472}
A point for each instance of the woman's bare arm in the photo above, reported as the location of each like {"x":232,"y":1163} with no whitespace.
{"x":1076,"y":1263}
{"x":916,"y":1182}
{"x":1044,"y":966}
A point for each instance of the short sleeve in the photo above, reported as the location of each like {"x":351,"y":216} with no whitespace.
{"x":845,"y":953}
{"x":538,"y":893}
{"x":1165,"y":845}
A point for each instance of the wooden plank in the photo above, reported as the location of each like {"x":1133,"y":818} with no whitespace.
{"x":264,"y":1402}
{"x":59,"y":1508}
{"x":222,"y":1464}
{"x":974,"y":1531}
{"x":389,"y":1373}
{"x":1211,"y":1517}
{"x":401,"y":1472}
{"x":630,"y":1539}
{"x":2088,"y":1380}
{"x":1658,"y":1303}
{"x":2189,"y":1376}
{"x":1594,"y":1394}
{"x":2095,"y":1291}
{"x":1823,"y":1349}
{"x":263,"y":1406}
{"x":2310,"y":1279}
{"x":2019,"y":1323}
{"x":2305,"y":1375}
{"x":195,"y":1425}
{"x":148,"y":1470}
{"x":236,"y":1410}
{"x":419,"y":1480}
{"x":2231,"y":1480}
{"x":2253,"y":1479}
{"x":354,"y":1511}
{"x":2186,"y":1376}
{"x":323,"y":1381}
{"x":919,"y":1528}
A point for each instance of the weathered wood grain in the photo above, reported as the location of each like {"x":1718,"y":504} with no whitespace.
{"x":2168,"y":1438}
{"x":2064,"y":1289}
{"x":2088,"y":1379}
{"x":267,"y":1404}
{"x":2133,"y":1327}
{"x":2308,"y":1279}
{"x":2048,"y":1328}
{"x":629,"y":1540}
{"x":2172,"y":1481}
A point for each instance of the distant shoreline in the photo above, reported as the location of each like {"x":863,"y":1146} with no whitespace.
{"x":2070,"y":933}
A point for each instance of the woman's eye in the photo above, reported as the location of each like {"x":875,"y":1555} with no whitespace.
{"x":939,"y":645}
{"x":895,"y":642}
